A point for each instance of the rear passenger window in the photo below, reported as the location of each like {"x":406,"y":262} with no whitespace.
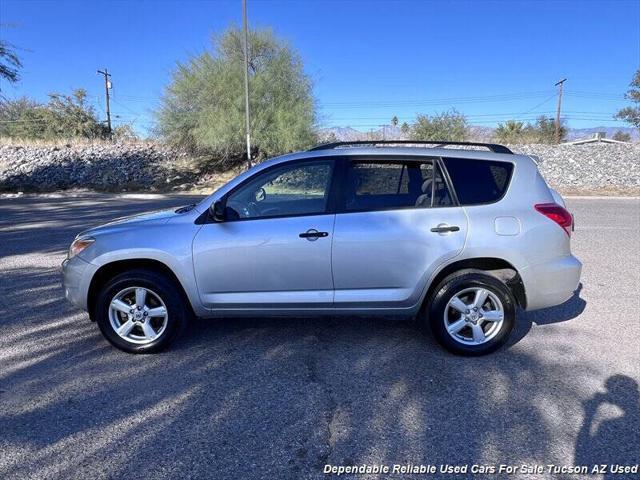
{"x":389,"y":185}
{"x":478,"y":181}
{"x":380,"y":178}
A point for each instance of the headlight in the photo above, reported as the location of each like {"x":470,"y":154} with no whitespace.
{"x":78,"y":245}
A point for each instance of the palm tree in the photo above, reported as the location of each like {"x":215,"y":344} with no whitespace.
{"x":509,"y":132}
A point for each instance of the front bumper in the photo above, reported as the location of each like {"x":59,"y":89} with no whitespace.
{"x":76,"y":278}
{"x":551,"y":283}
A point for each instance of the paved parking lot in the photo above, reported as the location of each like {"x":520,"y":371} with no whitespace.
{"x":279,"y":399}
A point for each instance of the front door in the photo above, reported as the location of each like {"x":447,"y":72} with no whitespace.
{"x":274,"y":248}
{"x":396,"y":224}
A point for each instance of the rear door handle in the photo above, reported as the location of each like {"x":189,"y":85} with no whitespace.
{"x":313,"y":234}
{"x":445,"y":228}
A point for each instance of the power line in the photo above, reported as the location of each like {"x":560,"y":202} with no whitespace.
{"x":540,"y":104}
{"x":446,"y":99}
{"x":530,"y":94}
{"x":496,"y":116}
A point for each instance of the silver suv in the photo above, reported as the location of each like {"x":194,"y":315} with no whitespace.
{"x":457,"y":237}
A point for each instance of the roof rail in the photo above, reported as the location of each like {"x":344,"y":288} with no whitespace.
{"x":494,"y":147}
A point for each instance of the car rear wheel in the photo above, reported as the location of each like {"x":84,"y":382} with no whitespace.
{"x":472,"y":313}
{"x":140,"y":311}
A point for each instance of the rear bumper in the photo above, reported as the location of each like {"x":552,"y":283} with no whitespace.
{"x":551,"y":283}
{"x":76,"y":277}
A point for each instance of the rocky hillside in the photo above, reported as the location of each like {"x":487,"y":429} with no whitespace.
{"x":589,"y":169}
{"x":97,"y":166}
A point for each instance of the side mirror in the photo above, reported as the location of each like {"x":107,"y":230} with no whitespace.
{"x":217,"y":211}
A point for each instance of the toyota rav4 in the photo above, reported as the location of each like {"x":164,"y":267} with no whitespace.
{"x":459,"y":238}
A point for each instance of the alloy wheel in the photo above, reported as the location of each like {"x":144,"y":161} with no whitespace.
{"x":138,"y":315}
{"x":473,"y":316}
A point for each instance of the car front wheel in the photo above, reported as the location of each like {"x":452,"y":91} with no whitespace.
{"x":140,"y":311}
{"x":472,"y":313}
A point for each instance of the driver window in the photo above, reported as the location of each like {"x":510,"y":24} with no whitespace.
{"x":300,"y":189}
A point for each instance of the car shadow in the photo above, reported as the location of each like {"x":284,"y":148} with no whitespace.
{"x":564,"y":312}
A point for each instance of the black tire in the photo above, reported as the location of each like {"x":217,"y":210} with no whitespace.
{"x":434,"y":312}
{"x":161,"y":285}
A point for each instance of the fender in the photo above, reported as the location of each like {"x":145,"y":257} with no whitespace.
{"x":478,"y":261}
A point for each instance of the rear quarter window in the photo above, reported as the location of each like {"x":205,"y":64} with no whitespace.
{"x":478,"y":181}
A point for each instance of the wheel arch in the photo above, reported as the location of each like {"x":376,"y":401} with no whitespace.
{"x":111,"y":269}
{"x":497,"y":267}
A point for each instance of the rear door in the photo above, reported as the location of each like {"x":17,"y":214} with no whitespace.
{"x":396,"y":222}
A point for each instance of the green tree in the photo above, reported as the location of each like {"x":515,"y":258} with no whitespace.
{"x":631,"y":114}
{"x":544,"y":130}
{"x":10,"y":64}
{"x":622,"y":136}
{"x":203,"y":107}
{"x":11,"y":112}
{"x":405,"y":128}
{"x":510,"y":132}
{"x":71,"y":117}
{"x":446,"y":126}
{"x":63,"y":117}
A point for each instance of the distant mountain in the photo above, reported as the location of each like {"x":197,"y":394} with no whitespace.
{"x":481,"y":133}
{"x":341,"y":134}
{"x":581,"y":133}
{"x":348,"y":134}
{"x":478,"y":133}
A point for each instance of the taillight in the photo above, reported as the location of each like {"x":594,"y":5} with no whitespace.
{"x":556,"y":213}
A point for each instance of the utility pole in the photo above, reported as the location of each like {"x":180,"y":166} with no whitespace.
{"x":559,"y":85}
{"x":246,"y":79}
{"x":107,"y":87}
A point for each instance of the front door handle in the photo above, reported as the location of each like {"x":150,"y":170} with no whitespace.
{"x":444,"y":228}
{"x":313,"y":234}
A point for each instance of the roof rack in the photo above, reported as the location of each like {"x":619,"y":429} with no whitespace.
{"x":494,"y":147}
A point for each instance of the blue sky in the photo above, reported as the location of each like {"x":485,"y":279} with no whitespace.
{"x":369,"y":60}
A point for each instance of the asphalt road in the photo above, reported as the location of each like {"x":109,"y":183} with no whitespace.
{"x":278,"y":399}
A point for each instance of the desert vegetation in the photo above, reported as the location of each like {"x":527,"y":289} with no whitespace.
{"x":543,"y":131}
{"x":203,"y":106}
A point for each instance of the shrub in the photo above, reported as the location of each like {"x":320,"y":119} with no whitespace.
{"x":203,"y":107}
{"x":63,"y":117}
{"x":447,"y":126}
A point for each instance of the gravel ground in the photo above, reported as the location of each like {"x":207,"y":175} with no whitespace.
{"x":265,"y":398}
